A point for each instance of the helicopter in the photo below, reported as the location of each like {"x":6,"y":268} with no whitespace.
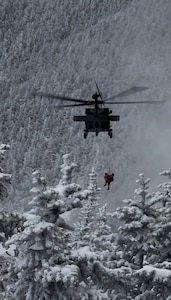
{"x":98,"y":118}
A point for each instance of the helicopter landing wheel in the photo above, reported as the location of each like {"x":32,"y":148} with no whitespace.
{"x":85,"y":134}
{"x":110,"y":134}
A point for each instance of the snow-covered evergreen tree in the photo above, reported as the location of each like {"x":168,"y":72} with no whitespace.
{"x":155,"y":278}
{"x":66,"y":169}
{"x":135,"y":243}
{"x":47,"y":267}
{"x":139,"y":216}
{"x":140,"y":244}
{"x":5,"y":179}
{"x":163,"y":223}
{"x":163,"y":228}
{"x":10,"y":222}
{"x":87,"y":216}
{"x":154,"y":282}
{"x":102,"y":238}
{"x":166,"y":186}
{"x":7,"y":277}
{"x":94,"y":237}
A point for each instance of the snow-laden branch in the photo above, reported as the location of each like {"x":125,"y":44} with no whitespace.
{"x":66,"y":169}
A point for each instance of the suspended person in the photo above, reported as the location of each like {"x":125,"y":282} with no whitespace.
{"x":108,"y":179}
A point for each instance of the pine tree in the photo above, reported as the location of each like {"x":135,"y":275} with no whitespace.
{"x":66,"y":169}
{"x":87,"y":216}
{"x":47,"y":267}
{"x":10,"y":223}
{"x":140,"y":244}
{"x":5,"y":179}
{"x":135,"y":243}
{"x":94,"y":244}
{"x":102,"y":238}
{"x":166,"y":186}
{"x":163,"y":222}
{"x":154,"y":282}
{"x":155,"y":278}
{"x":139,"y":216}
{"x":7,"y":282}
{"x":161,"y":226}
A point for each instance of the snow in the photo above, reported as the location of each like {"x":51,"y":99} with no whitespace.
{"x":166,"y":173}
{"x":67,"y":217}
{"x":2,"y":250}
{"x":69,"y":270}
{"x":39,"y":227}
{"x":60,"y":189}
{"x":6,"y":252}
{"x":67,"y":273}
{"x":83,"y":252}
{"x":159,"y":274}
{"x":30,"y":217}
{"x":4,"y":147}
{"x":5,"y":176}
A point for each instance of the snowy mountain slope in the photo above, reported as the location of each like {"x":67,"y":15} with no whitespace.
{"x":59,"y":47}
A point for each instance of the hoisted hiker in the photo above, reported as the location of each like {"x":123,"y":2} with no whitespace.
{"x":108,"y":179}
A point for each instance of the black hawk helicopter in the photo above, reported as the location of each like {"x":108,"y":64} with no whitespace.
{"x":98,"y":118}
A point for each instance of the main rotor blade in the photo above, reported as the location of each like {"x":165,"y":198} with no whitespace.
{"x":59,"y":97}
{"x":131,"y":91}
{"x":100,"y":94}
{"x":73,"y":105}
{"x":132,"y":102}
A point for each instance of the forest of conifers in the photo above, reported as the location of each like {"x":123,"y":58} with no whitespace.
{"x":63,"y":234}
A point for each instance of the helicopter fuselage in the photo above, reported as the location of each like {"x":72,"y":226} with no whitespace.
{"x":97,"y":120}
